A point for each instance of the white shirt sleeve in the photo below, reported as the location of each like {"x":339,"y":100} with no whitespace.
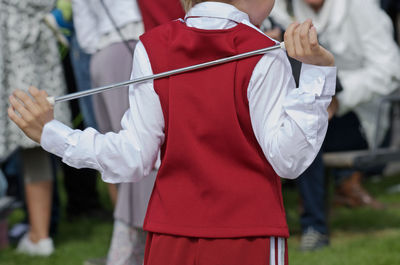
{"x":289,"y":123}
{"x":126,"y":156}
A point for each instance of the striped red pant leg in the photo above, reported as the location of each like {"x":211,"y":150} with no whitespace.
{"x":164,"y":249}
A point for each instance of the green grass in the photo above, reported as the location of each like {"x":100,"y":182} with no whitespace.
{"x":358,"y":236}
{"x":75,"y":243}
{"x":377,"y":248}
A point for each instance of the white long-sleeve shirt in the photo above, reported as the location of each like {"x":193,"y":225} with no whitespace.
{"x":289,"y":123}
{"x":95,"y":29}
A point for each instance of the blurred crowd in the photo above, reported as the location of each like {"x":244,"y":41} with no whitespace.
{"x":365,"y":46}
{"x":75,"y":45}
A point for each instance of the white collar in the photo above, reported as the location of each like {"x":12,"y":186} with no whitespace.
{"x":217,"y":10}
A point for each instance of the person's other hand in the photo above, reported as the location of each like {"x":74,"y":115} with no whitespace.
{"x":301,"y":42}
{"x":30,"y":113}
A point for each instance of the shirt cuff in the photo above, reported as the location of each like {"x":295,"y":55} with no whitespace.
{"x":319,"y":80}
{"x":54,"y":137}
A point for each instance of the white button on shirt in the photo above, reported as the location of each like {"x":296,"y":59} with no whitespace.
{"x":289,"y":123}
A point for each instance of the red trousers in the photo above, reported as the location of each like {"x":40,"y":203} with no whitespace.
{"x":164,"y":249}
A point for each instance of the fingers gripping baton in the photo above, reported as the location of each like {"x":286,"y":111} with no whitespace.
{"x":93,"y":91}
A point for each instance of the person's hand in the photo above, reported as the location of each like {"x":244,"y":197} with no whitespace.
{"x":30,"y":113}
{"x":301,"y":42}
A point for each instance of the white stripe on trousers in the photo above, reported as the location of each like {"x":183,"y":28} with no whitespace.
{"x":272,"y":250}
{"x":281,"y":250}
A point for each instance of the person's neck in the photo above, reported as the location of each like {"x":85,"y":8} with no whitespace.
{"x":316,"y":7}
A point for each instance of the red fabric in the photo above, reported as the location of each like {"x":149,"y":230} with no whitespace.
{"x":166,"y":250}
{"x":214,"y":180}
{"x":155,"y":13}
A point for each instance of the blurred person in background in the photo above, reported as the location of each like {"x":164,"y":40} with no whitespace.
{"x":359,"y":34}
{"x":80,"y":184}
{"x":29,"y":56}
{"x":109,"y":31}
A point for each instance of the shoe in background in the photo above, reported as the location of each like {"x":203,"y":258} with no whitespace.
{"x":313,"y":240}
{"x":43,"y":247}
{"x":350,"y":193}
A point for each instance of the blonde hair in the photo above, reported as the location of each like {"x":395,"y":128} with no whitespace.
{"x":187,"y":4}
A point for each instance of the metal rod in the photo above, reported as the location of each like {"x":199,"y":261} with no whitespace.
{"x":164,"y":74}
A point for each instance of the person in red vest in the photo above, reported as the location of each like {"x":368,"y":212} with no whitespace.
{"x":226,"y":133}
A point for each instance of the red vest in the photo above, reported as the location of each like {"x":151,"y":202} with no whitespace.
{"x":155,"y":13}
{"x":214,"y":180}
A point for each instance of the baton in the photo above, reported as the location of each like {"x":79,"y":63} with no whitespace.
{"x":97,"y":90}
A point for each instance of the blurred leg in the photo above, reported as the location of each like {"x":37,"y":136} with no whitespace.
{"x":38,"y":189}
{"x":313,"y":195}
{"x":38,"y":197}
{"x":313,"y":218}
{"x":345,"y":133}
{"x":113,"y":193}
{"x":127,"y":245}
